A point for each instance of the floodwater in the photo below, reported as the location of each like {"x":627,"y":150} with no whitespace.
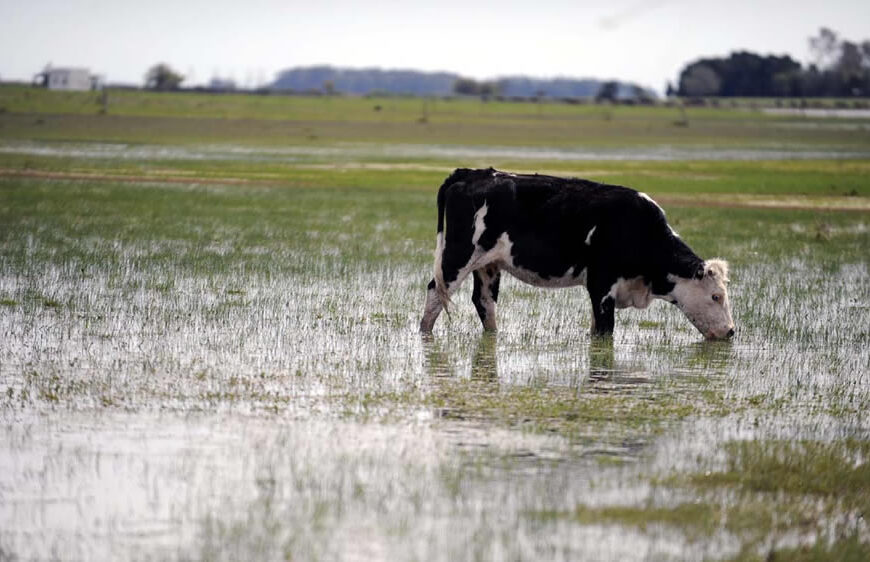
{"x":404,"y":152}
{"x":173,"y":413}
{"x":191,"y":373}
{"x":822,"y":113}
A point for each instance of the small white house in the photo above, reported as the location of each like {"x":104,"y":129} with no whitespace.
{"x":68,"y":79}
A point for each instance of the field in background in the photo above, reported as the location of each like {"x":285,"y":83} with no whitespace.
{"x":208,"y":347}
{"x":144,"y":117}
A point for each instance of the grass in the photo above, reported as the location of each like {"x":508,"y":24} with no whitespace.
{"x":232,"y":331}
{"x":260,"y":120}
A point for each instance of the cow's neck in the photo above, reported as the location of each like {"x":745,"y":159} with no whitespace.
{"x":680,"y":262}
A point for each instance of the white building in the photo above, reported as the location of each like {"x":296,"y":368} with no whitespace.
{"x":68,"y":79}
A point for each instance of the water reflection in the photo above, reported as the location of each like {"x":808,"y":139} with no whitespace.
{"x":436,"y":363}
{"x":715,"y":355}
{"x":601,"y":361}
{"x":484,"y":362}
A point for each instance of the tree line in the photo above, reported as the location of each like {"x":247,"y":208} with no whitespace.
{"x":840,"y":68}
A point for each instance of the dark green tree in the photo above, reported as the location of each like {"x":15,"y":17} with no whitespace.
{"x":608,"y":91}
{"x":700,"y":80}
{"x":471,"y":87}
{"x":162,"y":78}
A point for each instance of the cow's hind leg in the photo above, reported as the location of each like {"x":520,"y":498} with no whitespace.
{"x":431,"y":309}
{"x":435,"y":304}
{"x":485,"y":295}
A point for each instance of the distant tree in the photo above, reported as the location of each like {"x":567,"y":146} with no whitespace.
{"x":161,"y":77}
{"x":487,"y":89}
{"x":741,"y":74}
{"x":640,"y":95}
{"x":700,"y":80}
{"x":824,"y":47}
{"x":471,"y":87}
{"x":465,"y":87}
{"x":222,"y":84}
{"x":608,"y":91}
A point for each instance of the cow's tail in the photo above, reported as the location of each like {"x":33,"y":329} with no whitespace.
{"x":440,"y":285}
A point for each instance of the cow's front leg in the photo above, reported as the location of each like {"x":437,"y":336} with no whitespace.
{"x":603,"y":308}
{"x":431,"y":309}
{"x":603,"y":317}
{"x":436,"y":302}
{"x":603,"y":314}
{"x":485,"y":295}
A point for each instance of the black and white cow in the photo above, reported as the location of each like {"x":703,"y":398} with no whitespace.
{"x":556,"y":232}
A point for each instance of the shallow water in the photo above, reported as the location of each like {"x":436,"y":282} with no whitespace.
{"x":839,"y":113}
{"x":211,"y":398}
{"x":405,"y":152}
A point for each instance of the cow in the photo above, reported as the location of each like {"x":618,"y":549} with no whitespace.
{"x":561,"y":232}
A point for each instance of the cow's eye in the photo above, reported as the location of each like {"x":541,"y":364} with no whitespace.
{"x":715,"y":298}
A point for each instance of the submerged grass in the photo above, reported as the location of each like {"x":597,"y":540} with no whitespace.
{"x":838,"y":472}
{"x":810,"y":493}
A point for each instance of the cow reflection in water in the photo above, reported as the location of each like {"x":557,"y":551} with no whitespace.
{"x":605,"y":373}
{"x":438,"y":365}
{"x":484,"y":362}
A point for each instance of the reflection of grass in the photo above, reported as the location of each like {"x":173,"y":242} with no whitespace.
{"x":564,"y":410}
{"x":810,"y":488}
{"x":838,"y":473}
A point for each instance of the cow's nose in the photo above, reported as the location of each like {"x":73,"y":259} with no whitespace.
{"x":731,"y":333}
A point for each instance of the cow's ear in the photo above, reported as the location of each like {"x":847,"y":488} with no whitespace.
{"x":717,"y":269}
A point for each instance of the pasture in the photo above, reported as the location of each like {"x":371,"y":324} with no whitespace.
{"x":209,"y":348}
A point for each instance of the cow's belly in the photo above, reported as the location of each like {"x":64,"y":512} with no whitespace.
{"x":570,"y":278}
{"x":502,"y":254}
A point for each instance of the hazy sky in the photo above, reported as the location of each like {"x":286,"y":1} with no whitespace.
{"x":643,"y":41}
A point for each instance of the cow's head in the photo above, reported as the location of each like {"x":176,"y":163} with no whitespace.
{"x":704,"y":299}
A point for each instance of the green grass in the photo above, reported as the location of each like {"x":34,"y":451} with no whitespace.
{"x":814,"y":182}
{"x":838,"y":473}
{"x":133,"y":116}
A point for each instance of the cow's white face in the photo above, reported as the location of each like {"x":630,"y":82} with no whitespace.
{"x":704,"y":300}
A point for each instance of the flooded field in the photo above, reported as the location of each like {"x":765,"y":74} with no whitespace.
{"x":218,"y":372}
{"x":344,"y":152}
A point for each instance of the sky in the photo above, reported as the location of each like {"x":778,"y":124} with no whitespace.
{"x":647,"y":42}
